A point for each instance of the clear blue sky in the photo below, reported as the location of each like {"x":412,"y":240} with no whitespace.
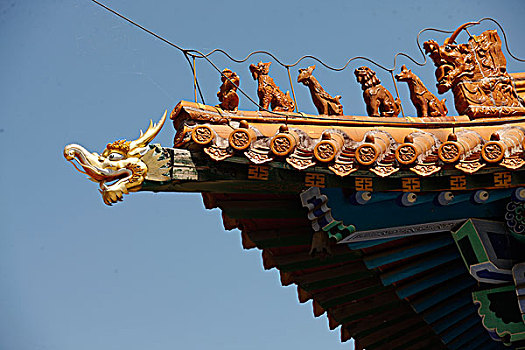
{"x":158,"y":271}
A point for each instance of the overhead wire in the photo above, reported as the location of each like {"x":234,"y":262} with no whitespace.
{"x":198,"y":54}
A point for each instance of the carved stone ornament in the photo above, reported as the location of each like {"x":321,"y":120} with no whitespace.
{"x":512,"y":163}
{"x":425,"y":169}
{"x":325,"y":151}
{"x":492,"y":152}
{"x":343,"y":169}
{"x":379,"y":101}
{"x":269,"y":93}
{"x":449,"y":152}
{"x":406,"y":154}
{"x":384,"y":170}
{"x":202,"y":134}
{"x":366,"y":154}
{"x":241,"y":139}
{"x":217,"y":153}
{"x":476,"y":73}
{"x":227,"y":95}
{"x":300,"y":162}
{"x":324,"y":103}
{"x":282,"y":144}
{"x":258,"y":156}
{"x":427,"y":105}
{"x":470,"y":167}
{"x":120,"y":168}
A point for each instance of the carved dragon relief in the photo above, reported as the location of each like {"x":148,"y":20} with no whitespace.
{"x":476,"y":73}
{"x":123,"y":165}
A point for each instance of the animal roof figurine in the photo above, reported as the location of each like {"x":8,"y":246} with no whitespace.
{"x":379,"y":101}
{"x":324,"y":103}
{"x":427,"y":105}
{"x":269,"y":93}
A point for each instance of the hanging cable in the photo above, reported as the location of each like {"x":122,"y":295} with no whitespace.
{"x":293,"y":92}
{"x":397,"y":93}
{"x":194,"y":79}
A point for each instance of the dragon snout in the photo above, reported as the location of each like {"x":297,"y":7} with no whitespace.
{"x":70,"y":151}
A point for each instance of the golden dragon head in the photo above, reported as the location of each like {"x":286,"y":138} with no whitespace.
{"x":120,"y":168}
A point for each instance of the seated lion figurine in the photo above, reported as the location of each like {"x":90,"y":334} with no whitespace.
{"x":379,"y":101}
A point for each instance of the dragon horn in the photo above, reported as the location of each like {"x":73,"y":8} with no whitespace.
{"x":457,"y":31}
{"x":150,"y":134}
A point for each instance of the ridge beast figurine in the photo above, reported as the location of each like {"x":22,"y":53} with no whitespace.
{"x":269,"y":93}
{"x":324,"y":103}
{"x":476,"y":73}
{"x":121,"y":168}
{"x":228,"y":98}
{"x":427,"y":105}
{"x":379,"y":101}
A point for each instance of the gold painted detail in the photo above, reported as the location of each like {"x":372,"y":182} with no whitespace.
{"x":458,"y":182}
{"x":121,"y":146}
{"x":411,"y":184}
{"x":363,"y":184}
{"x":502,"y":180}
{"x":258,"y":172}
{"x":314,"y":180}
{"x":120,"y":168}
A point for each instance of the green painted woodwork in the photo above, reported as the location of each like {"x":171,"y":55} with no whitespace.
{"x":336,"y":229}
{"x":498,"y":309}
{"x":470,"y":245}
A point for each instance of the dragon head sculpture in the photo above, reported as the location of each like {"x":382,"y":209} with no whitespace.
{"x":476,"y":73}
{"x":120,"y":168}
{"x":453,"y":61}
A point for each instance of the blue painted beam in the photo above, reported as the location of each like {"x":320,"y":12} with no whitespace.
{"x":365,"y":217}
{"x":459,"y":329}
{"x":418,"y":266}
{"x":430,"y":281}
{"x":471,"y":340}
{"x":448,"y":307}
{"x":408,"y":251}
{"x":368,"y":244}
{"x":443,"y":293}
{"x":454,"y":317}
